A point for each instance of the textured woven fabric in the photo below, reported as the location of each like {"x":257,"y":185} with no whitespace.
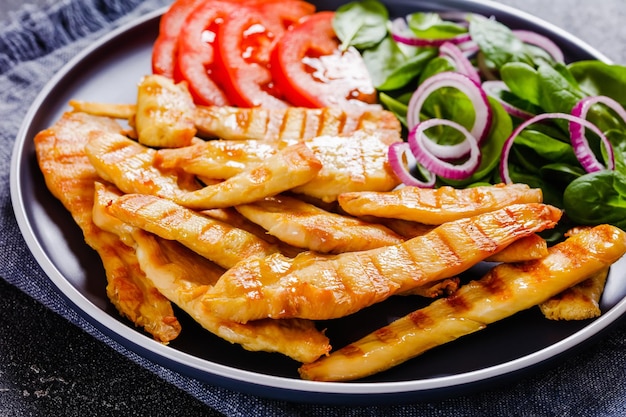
{"x":35,"y":43}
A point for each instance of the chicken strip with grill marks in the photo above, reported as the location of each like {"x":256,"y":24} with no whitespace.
{"x":355,"y":162}
{"x":580,"y":302}
{"x":292,"y":123}
{"x":323,"y":287}
{"x":130,"y":166}
{"x":165,"y":113}
{"x":70,"y":177}
{"x":215,"y":240}
{"x":437,"y":206}
{"x":306,"y":226}
{"x":220,"y":159}
{"x":183,"y":276}
{"x":503,"y":291}
{"x":292,"y":166}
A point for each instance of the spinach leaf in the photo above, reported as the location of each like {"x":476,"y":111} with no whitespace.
{"x":523,"y":81}
{"x":432,"y":26}
{"x":361,"y":24}
{"x":599,"y":197}
{"x":391,"y":68}
{"x":597,"y":78}
{"x":497,"y":42}
{"x":547,"y":147}
{"x":561,"y":173}
{"x":396,"y":105}
{"x":559,"y":91}
{"x":435,"y":66}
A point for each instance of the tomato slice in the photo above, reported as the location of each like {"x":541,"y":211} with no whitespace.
{"x":245,"y":41}
{"x":165,"y":45}
{"x":311,"y":70}
{"x":195,"y":62}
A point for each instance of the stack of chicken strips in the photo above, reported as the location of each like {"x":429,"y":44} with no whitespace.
{"x":259,"y":223}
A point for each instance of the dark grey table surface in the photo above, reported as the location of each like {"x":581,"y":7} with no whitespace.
{"x":70,"y":373}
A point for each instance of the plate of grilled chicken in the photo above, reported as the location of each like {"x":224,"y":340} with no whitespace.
{"x":273,"y":249}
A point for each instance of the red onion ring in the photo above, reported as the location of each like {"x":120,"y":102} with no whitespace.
{"x":473,"y":90}
{"x":534,"y":38}
{"x":421,"y":148}
{"x":401,"y":33}
{"x":581,"y":149}
{"x":577,"y":130}
{"x":462,"y":64}
{"x":396,"y":154}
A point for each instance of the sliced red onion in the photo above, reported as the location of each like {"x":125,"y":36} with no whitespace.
{"x":400,"y":32}
{"x":582,"y":107}
{"x":493,"y":87}
{"x":473,"y":90}
{"x":421,"y":148}
{"x":577,"y":130}
{"x":462,"y":64}
{"x":396,"y":155}
{"x":534,"y":38}
{"x":581,"y":147}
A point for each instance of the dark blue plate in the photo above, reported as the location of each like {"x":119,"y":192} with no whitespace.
{"x":108,"y":71}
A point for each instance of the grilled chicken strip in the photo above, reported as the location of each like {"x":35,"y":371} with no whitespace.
{"x":356,"y":162}
{"x":293,"y":166}
{"x":219,"y":159}
{"x":580,"y":302}
{"x":234,"y":218}
{"x":220,"y":242}
{"x":130,"y":166}
{"x":437,"y":206}
{"x":306,"y":226}
{"x":112,"y":110}
{"x":324,"y":287}
{"x":294,"y":123}
{"x":183,"y":276}
{"x":70,"y":177}
{"x":164,"y":113}
{"x":350,"y":164}
{"x":505,"y":290}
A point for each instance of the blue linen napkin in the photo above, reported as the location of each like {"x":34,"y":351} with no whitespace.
{"x":35,"y":43}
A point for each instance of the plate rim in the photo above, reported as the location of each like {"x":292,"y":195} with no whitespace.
{"x":254,"y":382}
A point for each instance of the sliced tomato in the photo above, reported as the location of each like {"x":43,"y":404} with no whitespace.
{"x":195,"y":61}
{"x":245,"y":41}
{"x":311,"y":70}
{"x":165,"y":46}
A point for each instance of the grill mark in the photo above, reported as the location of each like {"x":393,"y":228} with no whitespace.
{"x":351,"y":351}
{"x":385,"y":335}
{"x":458,"y":303}
{"x":382,"y":285}
{"x":341,"y":121}
{"x":417,"y":273}
{"x":495,"y":285}
{"x":507,"y":219}
{"x":445,"y":248}
{"x":421,"y":319}
{"x":481,"y":239}
{"x":166,"y":217}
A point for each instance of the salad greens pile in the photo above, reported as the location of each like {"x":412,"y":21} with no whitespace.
{"x":535,"y":82}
